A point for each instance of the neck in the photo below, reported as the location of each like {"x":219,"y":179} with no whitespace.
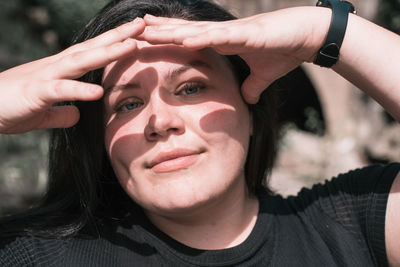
{"x":225,"y":222}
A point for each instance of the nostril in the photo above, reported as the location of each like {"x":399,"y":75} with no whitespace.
{"x":157,"y":134}
{"x":163,"y":126}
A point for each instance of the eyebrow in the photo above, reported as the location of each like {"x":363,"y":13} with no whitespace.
{"x":171,"y":75}
{"x":192,"y":64}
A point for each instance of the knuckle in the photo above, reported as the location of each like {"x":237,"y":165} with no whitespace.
{"x":56,"y":89}
{"x":110,"y":52}
{"x":74,"y":58}
{"x":116,"y":32}
{"x":69,"y":50}
{"x":74,"y":62}
{"x":29,"y":88}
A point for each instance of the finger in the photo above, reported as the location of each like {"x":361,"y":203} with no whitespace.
{"x":232,"y":38}
{"x":176,"y":32}
{"x":212,"y":38}
{"x":252,"y":88}
{"x":174,"y":35}
{"x":53,"y":91}
{"x":225,"y":39}
{"x":77,"y":64}
{"x":59,"y":117}
{"x":119,"y":34}
{"x":153,"y":20}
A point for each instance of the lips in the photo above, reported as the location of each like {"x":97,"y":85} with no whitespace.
{"x":174,"y":160}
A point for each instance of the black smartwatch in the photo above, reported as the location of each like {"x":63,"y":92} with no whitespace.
{"x":328,"y":55}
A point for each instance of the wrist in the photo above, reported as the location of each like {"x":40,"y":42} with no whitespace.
{"x":329,"y":53}
{"x":319,"y":18}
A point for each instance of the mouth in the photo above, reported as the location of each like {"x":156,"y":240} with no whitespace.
{"x":174,"y":160}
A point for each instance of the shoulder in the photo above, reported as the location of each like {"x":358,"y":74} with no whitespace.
{"x":392,"y":230}
{"x":30,"y":250}
{"x":356,"y":185}
{"x":350,"y":207}
{"x":353,"y":198}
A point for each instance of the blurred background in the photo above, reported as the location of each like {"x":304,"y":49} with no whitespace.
{"x":326,"y":125}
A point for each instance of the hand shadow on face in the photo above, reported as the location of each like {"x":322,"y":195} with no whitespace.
{"x":159,"y":53}
{"x":208,"y":123}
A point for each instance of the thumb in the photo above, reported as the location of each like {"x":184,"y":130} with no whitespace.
{"x":59,"y":117}
{"x":252,"y":88}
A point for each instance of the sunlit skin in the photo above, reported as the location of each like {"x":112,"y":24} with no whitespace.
{"x":209,"y":187}
{"x":177,"y":130}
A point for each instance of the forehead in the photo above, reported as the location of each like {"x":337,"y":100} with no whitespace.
{"x":162,"y":58}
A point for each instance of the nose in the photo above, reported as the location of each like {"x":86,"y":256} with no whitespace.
{"x":164,"y":120}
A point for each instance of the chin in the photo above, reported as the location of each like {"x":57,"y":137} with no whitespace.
{"x":184,"y":201}
{"x":183,"y":192}
{"x":179,"y":207}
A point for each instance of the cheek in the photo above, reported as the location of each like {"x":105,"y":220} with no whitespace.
{"x":113,"y":132}
{"x":223,"y":121}
{"x":123,"y":143}
{"x":227,"y":132}
{"x":232,"y":121}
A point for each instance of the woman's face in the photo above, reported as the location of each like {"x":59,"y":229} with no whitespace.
{"x":176,"y":127}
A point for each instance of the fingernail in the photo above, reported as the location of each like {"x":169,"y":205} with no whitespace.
{"x":94,"y":90}
{"x":255,"y":99}
{"x":149,"y":16}
{"x":251,"y":99}
{"x":137,"y":20}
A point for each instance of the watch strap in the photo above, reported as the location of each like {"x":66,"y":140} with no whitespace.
{"x":328,"y":55}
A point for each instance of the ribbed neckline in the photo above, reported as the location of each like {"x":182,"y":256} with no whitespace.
{"x":261,"y":233}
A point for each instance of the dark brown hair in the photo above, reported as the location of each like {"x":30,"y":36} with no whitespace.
{"x":82,"y":184}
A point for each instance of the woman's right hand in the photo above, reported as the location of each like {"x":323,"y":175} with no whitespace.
{"x":28,"y":92}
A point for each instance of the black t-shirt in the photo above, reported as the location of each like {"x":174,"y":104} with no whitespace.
{"x":339,"y":223}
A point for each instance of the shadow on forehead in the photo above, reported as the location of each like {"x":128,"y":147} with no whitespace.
{"x":205,"y":58}
{"x":174,"y":54}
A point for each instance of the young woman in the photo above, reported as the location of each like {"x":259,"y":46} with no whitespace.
{"x":160,"y":158}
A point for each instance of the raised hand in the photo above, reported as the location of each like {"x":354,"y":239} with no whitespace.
{"x":29,"y":91}
{"x":272,"y":44}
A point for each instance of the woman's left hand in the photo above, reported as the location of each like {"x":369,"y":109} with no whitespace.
{"x":272,"y":44}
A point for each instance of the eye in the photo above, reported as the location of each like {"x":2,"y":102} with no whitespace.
{"x":191,"y":88}
{"x":128,"y":106}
